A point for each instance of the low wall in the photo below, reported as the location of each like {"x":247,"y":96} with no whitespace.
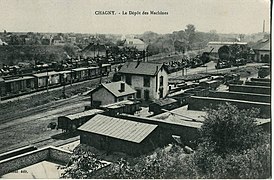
{"x":59,"y":155}
{"x":250,"y":89}
{"x":241,"y":96}
{"x":200,"y":103}
{"x":33,"y":157}
{"x":23,"y":160}
{"x":258,"y":83}
{"x":261,"y":79}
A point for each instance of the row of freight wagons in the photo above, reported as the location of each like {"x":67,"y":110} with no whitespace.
{"x":18,"y":85}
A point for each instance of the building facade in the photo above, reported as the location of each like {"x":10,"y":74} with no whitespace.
{"x":262,"y":51}
{"x":150,"y":80}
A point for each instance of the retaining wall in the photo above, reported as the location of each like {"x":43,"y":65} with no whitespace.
{"x":241,"y":96}
{"x":261,"y":79}
{"x":250,"y":89}
{"x":200,"y":103}
{"x":258,"y":83}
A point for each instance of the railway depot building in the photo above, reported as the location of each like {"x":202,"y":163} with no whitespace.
{"x":150,"y":80}
{"x":119,"y":135}
{"x":262,"y":51}
{"x":108,"y":93}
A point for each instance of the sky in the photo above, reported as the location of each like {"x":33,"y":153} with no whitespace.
{"x":224,"y":16}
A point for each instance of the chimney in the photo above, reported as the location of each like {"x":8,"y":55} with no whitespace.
{"x":264,"y":26}
{"x":122,"y":88}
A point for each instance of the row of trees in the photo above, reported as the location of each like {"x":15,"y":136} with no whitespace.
{"x":231,"y":145}
{"x":180,"y":41}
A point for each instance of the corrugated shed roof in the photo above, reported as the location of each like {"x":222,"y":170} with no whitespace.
{"x":165,"y":101}
{"x":141,"y":68}
{"x":104,"y":65}
{"x":83,"y":114}
{"x":263,"y":45}
{"x":118,"y":104}
{"x":79,"y":69}
{"x":118,"y":128}
{"x":115,"y":87}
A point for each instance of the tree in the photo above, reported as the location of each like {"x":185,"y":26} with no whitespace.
{"x":82,"y":165}
{"x":232,"y":145}
{"x":190,"y":33}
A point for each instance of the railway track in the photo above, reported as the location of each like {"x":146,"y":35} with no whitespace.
{"x":41,"y":108}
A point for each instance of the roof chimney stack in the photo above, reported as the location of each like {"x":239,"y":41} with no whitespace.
{"x":122,"y":88}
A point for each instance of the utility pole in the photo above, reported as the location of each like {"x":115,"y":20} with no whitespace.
{"x":47,"y":80}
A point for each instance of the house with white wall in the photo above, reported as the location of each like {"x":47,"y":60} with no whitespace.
{"x":108,"y":93}
{"x":150,"y":80}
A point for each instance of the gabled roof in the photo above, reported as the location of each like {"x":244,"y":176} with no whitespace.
{"x":141,"y":68}
{"x":118,"y":128}
{"x":114,"y":88}
{"x":134,"y":41}
{"x":263,"y":45}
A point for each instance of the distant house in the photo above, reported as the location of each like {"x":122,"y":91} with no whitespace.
{"x":2,"y":43}
{"x":57,"y":40}
{"x":72,"y":39}
{"x":108,"y":93}
{"x":119,"y":135}
{"x":213,"y":47}
{"x":136,"y":43}
{"x":94,"y":50}
{"x":150,"y":80}
{"x":262,"y":51}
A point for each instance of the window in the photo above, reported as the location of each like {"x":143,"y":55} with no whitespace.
{"x":161,"y":81}
{"x":130,"y":97}
{"x":128,"y":79}
{"x":121,"y":99}
{"x":146,"y":81}
{"x":138,"y":93}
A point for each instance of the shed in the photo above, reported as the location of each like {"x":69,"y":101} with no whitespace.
{"x":118,"y":135}
{"x":73,"y":121}
{"x":126,"y":106}
{"x":157,"y":105}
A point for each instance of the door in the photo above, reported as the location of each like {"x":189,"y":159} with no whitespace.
{"x":146,"y":95}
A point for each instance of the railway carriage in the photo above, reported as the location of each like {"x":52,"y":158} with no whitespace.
{"x":106,"y":69}
{"x":45,"y":79}
{"x":80,"y":74}
{"x":19,"y":84}
{"x":65,"y":77}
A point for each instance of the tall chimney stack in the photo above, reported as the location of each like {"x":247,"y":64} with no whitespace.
{"x":264,"y":27}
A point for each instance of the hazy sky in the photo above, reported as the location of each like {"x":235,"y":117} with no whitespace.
{"x":225,"y":16}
